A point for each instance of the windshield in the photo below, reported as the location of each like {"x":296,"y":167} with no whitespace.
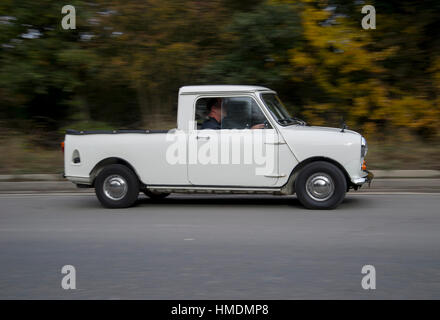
{"x":278,"y":111}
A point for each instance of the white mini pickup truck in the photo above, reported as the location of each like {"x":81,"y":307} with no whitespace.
{"x":229,"y":139}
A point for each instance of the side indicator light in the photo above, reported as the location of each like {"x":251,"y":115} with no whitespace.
{"x":364,"y":166}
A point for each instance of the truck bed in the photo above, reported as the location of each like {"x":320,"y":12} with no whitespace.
{"x":84,"y":132}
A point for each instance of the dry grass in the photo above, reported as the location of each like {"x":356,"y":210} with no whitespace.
{"x":20,"y":155}
{"x":403,"y":151}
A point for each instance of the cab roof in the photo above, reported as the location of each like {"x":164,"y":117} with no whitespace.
{"x":221,"y":88}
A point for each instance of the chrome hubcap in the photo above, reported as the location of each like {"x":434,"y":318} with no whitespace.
{"x":320,"y":186}
{"x":115,"y":187}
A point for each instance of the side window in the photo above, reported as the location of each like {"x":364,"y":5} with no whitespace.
{"x":229,"y":113}
{"x":202,"y":112}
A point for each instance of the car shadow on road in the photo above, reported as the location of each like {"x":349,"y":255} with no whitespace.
{"x":216,"y":200}
{"x":176,"y":200}
{"x":235,"y":200}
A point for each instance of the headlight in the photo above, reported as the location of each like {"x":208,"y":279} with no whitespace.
{"x":364,"y":147}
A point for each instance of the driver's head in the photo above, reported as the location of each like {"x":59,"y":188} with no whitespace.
{"x":216,"y":108}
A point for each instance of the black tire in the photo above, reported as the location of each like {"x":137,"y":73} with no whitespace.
{"x":127,"y":197}
{"x":156,"y":195}
{"x":320,"y":194}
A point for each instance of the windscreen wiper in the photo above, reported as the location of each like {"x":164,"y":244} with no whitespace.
{"x":300,"y":121}
{"x":297,"y":120}
{"x":284,"y":120}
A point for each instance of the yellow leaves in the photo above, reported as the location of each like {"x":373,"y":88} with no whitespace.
{"x":414,"y":112}
{"x":369,"y":129}
{"x":300,"y":58}
{"x":339,"y":58}
{"x":302,"y":63}
{"x":406,"y":111}
{"x":182,"y":54}
{"x":317,"y":34}
{"x":435,"y":70}
{"x":322,"y":114}
{"x":361,"y":107}
{"x":339,"y":44}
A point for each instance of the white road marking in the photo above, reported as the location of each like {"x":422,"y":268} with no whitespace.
{"x":393,"y":192}
{"x":23,"y":195}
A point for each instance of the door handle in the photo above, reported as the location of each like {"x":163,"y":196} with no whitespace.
{"x":203,"y":138}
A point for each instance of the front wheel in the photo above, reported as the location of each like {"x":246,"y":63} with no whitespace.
{"x":320,"y":185}
{"x":117,"y":186}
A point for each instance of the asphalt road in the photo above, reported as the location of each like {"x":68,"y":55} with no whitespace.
{"x":220,"y":247}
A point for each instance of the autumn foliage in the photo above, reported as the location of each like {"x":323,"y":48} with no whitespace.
{"x":124,"y":63}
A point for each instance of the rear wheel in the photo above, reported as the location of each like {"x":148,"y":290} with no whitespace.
{"x":155,"y":194}
{"x":117,"y":186}
{"x":320,"y":185}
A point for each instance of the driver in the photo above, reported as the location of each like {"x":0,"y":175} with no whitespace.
{"x":217,"y":112}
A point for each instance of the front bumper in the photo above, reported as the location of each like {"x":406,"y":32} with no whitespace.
{"x":367,"y":179}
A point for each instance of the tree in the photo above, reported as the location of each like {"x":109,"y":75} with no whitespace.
{"x":369,"y":75}
{"x":43,"y":67}
{"x":254,"y":49}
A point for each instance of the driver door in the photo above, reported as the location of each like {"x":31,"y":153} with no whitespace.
{"x":243,"y":153}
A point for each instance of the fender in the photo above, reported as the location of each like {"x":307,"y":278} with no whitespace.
{"x":289,"y":186}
